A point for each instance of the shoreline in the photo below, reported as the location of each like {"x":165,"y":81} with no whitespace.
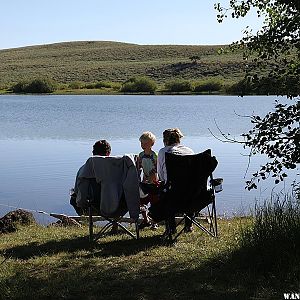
{"x":102,"y":93}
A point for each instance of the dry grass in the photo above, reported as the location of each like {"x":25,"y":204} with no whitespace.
{"x":116,"y":62}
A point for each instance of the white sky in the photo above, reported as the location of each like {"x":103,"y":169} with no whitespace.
{"x":191,"y":22}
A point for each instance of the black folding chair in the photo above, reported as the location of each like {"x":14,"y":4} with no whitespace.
{"x":112,"y":221}
{"x":189,"y":189}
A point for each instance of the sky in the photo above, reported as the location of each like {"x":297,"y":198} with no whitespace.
{"x":177,"y":22}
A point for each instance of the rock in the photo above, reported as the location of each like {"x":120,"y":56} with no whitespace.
{"x":66,"y":221}
{"x":9,"y":222}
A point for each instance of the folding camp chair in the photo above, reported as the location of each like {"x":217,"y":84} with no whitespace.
{"x":112,"y":221}
{"x":189,"y":189}
{"x":110,"y":187}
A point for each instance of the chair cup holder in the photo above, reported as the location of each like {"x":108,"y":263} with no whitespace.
{"x":217,"y":184}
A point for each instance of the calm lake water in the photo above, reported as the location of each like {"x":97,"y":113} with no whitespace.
{"x":45,"y":139}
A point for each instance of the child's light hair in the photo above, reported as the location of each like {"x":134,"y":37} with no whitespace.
{"x":147,"y":135}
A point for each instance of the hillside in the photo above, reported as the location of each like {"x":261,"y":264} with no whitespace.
{"x":114,"y":61}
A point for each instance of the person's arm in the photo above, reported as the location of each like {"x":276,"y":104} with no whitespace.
{"x":161,"y":165}
{"x":154,"y":175}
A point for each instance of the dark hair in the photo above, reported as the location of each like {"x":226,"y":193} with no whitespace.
{"x":172,"y":136}
{"x":102,"y":148}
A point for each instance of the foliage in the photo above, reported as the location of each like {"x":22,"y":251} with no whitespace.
{"x":38,"y":85}
{"x":273,"y":56}
{"x":139,"y":85}
{"x":264,"y":86}
{"x":210,"y":85}
{"x":19,"y":87}
{"x":76,"y":85}
{"x":278,"y":136}
{"x":176,"y":86}
{"x":102,"y":84}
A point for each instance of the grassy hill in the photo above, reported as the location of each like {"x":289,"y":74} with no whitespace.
{"x":92,"y":61}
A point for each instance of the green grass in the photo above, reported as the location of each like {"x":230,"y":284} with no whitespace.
{"x":116,"y":62}
{"x":56,"y":263}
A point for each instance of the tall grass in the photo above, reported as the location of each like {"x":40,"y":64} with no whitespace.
{"x":274,"y":233}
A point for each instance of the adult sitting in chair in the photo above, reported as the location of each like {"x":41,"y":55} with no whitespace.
{"x":109,"y":187}
{"x":101,"y":148}
{"x":171,"y":139}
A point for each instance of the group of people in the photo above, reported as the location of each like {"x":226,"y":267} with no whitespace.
{"x":151,"y":167}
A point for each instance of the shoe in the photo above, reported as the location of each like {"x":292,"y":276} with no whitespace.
{"x":188,"y":229}
{"x":144,"y":224}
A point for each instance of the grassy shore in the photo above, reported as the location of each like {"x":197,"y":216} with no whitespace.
{"x":59,"y":263}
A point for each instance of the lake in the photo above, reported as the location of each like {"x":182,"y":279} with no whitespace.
{"x":45,"y":139}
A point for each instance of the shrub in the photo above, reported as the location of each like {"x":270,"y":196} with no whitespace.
{"x":19,"y":87}
{"x":75,"y":85}
{"x":89,"y":86}
{"x":211,"y":85}
{"x":139,"y":84}
{"x":178,"y":85}
{"x":102,"y":84}
{"x":242,"y":87}
{"x":38,"y":85}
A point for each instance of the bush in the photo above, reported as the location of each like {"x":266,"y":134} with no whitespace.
{"x":211,"y":85}
{"x":177,"y":86}
{"x":39,"y":85}
{"x":98,"y":85}
{"x":19,"y":87}
{"x":139,"y":85}
{"x":75,"y":85}
{"x":102,"y":84}
{"x":89,"y":86}
{"x":242,"y":87}
{"x":266,"y":86}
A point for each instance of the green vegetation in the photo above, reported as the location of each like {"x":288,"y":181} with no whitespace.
{"x":139,"y":85}
{"x":176,"y":86}
{"x":210,"y":86}
{"x":254,"y":258}
{"x":273,"y":54}
{"x":38,"y":85}
{"x":108,"y":68}
{"x":91,"y":62}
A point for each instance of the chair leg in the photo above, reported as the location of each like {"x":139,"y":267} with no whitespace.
{"x":126,"y":230}
{"x":137,"y":230}
{"x":200,"y":226}
{"x":215,"y":218}
{"x":91,"y":234}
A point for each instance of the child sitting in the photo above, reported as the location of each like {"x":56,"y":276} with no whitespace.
{"x":147,"y":163}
